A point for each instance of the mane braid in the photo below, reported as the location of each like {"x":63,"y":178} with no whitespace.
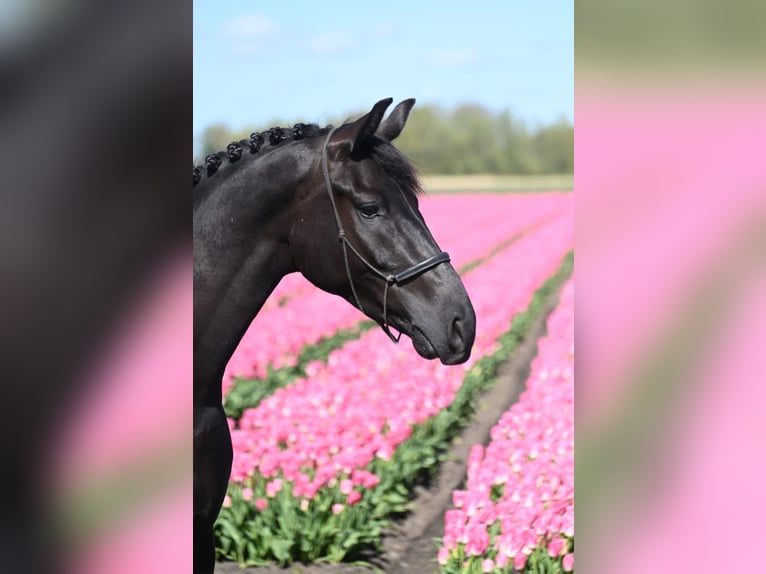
{"x":390,"y":159}
{"x":272,"y":137}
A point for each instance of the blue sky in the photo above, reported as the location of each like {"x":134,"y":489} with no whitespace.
{"x":256,"y":63}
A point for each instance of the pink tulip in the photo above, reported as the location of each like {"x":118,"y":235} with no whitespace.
{"x":501,"y":560}
{"x":273,"y":487}
{"x":353,"y":497}
{"x":443,"y":556}
{"x":459,"y":498}
{"x":556,"y":546}
{"x":346,"y":486}
{"x":568,"y":562}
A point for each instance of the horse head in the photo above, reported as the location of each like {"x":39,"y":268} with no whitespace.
{"x":357,"y":232}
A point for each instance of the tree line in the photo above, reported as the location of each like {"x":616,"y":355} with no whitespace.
{"x":468,"y":139}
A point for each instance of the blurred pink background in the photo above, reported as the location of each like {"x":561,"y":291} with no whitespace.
{"x":671,"y":247}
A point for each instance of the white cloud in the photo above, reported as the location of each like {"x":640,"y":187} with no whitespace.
{"x":249,"y":33}
{"x":250,"y":27}
{"x":384,"y":29}
{"x":331,"y":43}
{"x":453,"y":57}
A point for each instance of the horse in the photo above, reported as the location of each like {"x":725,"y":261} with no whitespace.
{"x":340,"y":206}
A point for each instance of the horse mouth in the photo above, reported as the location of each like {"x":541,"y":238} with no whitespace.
{"x":421,"y":344}
{"x":454,"y":351}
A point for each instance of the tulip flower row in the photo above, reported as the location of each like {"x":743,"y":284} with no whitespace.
{"x":279,"y":333}
{"x":517,"y":509}
{"x":325,"y":438}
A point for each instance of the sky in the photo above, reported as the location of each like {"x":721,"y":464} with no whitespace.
{"x":258,"y":64}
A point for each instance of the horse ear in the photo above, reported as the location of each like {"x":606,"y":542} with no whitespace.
{"x":394,"y":123}
{"x":350,"y":137}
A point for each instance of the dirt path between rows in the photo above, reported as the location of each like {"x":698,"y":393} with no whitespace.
{"x":408,"y":547}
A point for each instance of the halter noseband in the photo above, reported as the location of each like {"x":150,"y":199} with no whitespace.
{"x":390,"y":279}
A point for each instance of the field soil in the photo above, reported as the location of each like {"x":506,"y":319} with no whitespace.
{"x":497,"y":183}
{"x":408,"y":546}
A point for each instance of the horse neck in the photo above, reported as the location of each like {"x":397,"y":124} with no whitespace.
{"x":240,"y":254}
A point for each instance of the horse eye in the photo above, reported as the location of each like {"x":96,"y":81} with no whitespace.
{"x":369,"y":210}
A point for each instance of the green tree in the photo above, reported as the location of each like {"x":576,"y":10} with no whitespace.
{"x":468,"y":139}
{"x":554,"y":145}
{"x":215,"y":138}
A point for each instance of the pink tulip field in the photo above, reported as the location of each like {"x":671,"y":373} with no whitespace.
{"x":325,"y":458}
{"x":517,"y":508}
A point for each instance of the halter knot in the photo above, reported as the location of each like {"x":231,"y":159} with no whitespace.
{"x":234,"y":151}
{"x":276,"y":135}
{"x":212,"y":163}
{"x":256,"y":141}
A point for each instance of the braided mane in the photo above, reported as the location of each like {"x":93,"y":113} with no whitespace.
{"x":271,"y":137}
{"x":390,"y":159}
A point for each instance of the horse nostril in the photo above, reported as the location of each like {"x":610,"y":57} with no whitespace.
{"x":456,"y":335}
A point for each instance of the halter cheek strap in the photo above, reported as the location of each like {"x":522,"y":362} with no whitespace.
{"x":399,"y":279}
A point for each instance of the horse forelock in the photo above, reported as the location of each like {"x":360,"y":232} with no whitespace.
{"x":396,"y":165}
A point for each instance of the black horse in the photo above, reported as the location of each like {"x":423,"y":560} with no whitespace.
{"x":337,"y":204}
